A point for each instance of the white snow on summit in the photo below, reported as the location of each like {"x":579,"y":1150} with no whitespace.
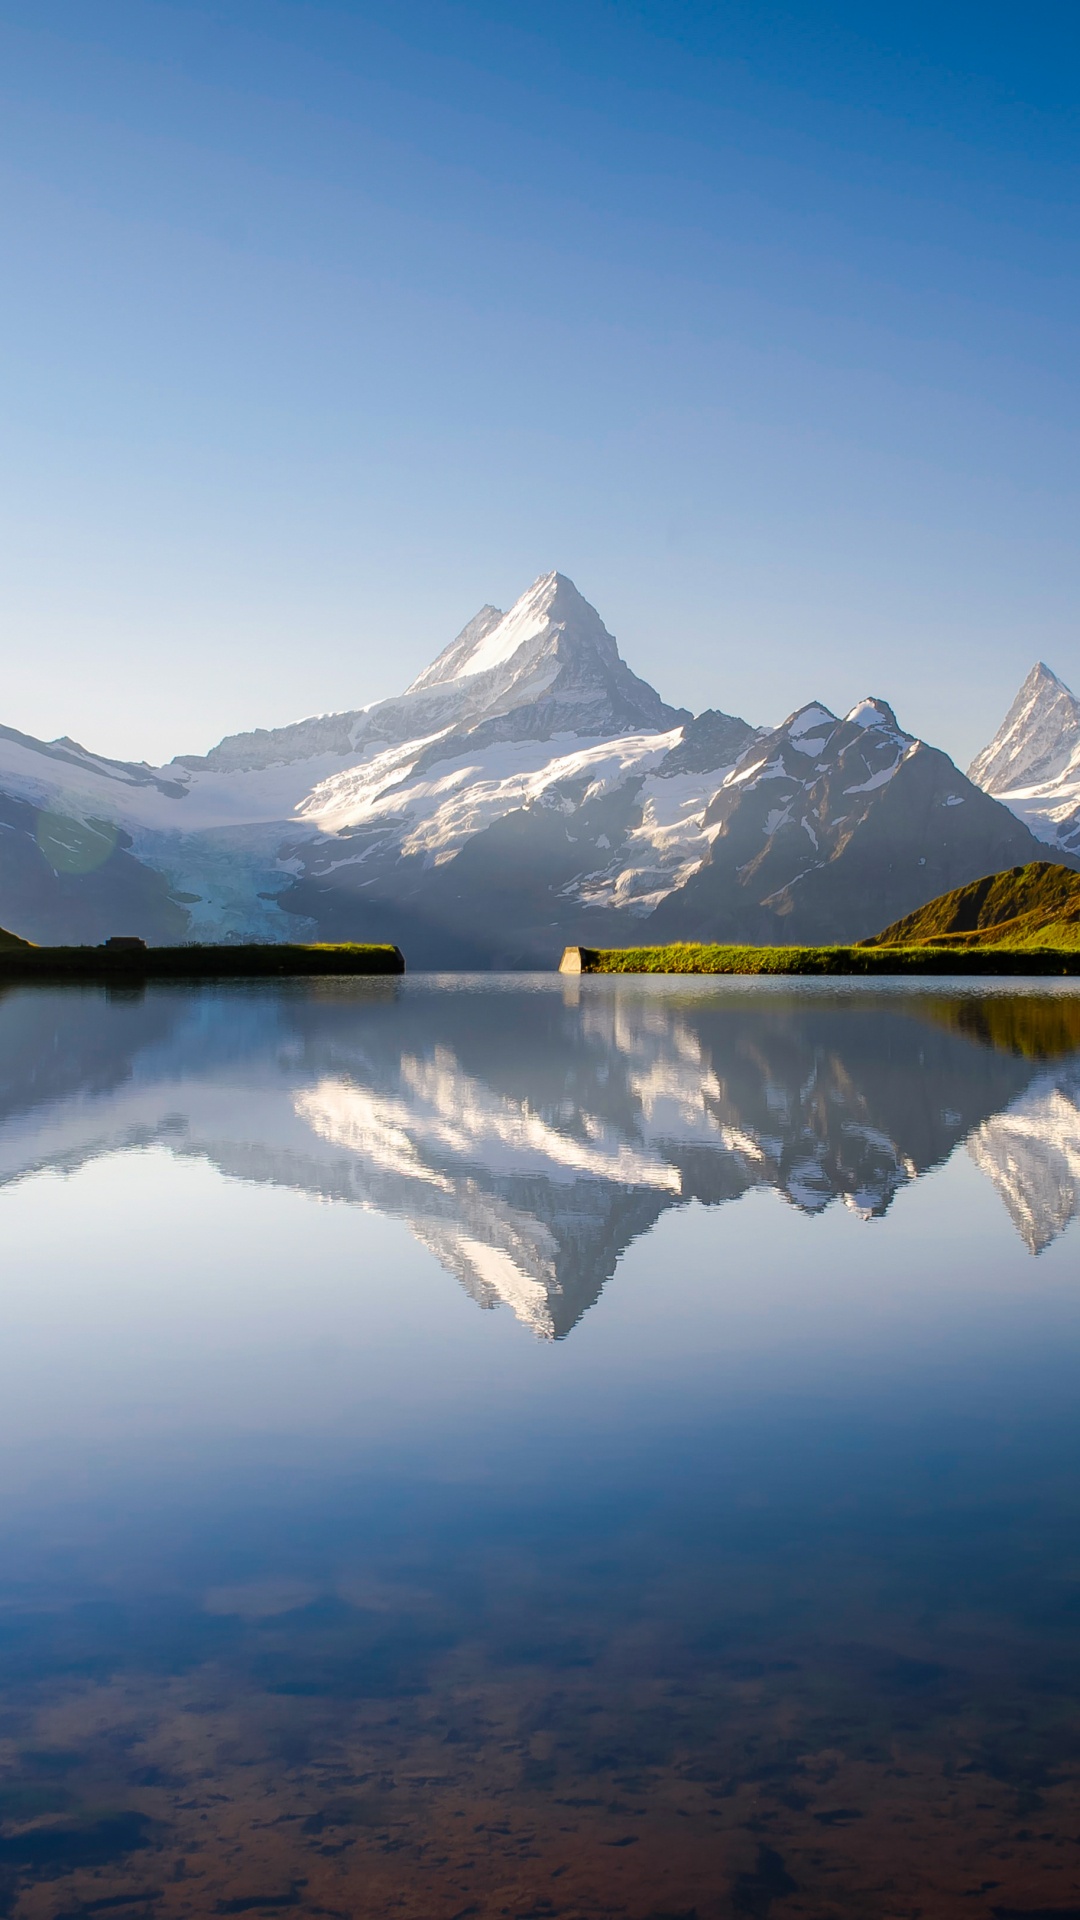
{"x":549,"y":611}
{"x":490,"y":642}
{"x":1037,"y":739}
{"x":1033,"y":762}
{"x":810,"y":719}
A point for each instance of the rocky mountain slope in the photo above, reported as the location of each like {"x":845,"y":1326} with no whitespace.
{"x":828,"y":823}
{"x":527,"y":790}
{"x":1033,"y":762}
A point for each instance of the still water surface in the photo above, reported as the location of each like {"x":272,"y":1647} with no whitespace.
{"x":540,"y":1448}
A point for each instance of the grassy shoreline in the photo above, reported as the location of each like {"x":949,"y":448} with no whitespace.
{"x":688,"y":957}
{"x":23,"y":963}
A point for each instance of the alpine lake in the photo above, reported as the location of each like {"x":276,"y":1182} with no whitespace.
{"x":529,"y":1446}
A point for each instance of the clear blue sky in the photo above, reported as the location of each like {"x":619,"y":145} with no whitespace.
{"x":323,"y":323}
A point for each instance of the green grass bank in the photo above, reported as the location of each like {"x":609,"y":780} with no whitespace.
{"x":689,"y":957}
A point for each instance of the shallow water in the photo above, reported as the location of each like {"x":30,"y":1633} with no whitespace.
{"x":525,"y":1447}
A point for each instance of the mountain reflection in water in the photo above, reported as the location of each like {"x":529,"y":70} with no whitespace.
{"x":527,"y":1136}
{"x":323,"y":1594}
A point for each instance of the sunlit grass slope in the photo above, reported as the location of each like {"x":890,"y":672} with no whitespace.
{"x":1024,"y":907}
{"x":688,"y":957}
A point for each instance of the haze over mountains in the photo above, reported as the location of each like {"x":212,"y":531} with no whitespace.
{"x":525,"y":791}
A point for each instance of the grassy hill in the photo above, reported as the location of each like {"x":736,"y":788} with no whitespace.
{"x":1036,"y":906}
{"x":11,"y":940}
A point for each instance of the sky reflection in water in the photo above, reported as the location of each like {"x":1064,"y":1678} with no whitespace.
{"x":724,"y":1563}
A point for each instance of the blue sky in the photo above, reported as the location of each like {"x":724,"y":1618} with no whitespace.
{"x":324,"y":323}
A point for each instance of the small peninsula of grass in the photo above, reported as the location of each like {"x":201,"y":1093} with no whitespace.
{"x":691,"y":957}
{"x":19,"y":961}
{"x":1023,"y":920}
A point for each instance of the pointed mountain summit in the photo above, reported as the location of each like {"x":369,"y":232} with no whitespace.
{"x":1036,"y":740}
{"x":548,"y":666}
{"x":1033,"y":762}
{"x":551,"y":616}
{"x":552,"y":653}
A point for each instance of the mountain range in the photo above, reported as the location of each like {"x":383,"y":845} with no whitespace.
{"x":525,"y":791}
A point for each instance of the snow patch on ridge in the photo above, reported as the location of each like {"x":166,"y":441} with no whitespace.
{"x":439,"y":810}
{"x":662,"y":851}
{"x":879,"y":779}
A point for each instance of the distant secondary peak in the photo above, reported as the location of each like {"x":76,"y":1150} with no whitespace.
{"x":809,"y":719}
{"x":1037,"y":740}
{"x":872,"y":712}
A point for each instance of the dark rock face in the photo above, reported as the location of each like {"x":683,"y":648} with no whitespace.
{"x":708,"y":741}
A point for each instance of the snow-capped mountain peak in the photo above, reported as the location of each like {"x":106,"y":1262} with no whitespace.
{"x":813,"y":719}
{"x":550,"y":608}
{"x":822,"y":819}
{"x":547,"y":667}
{"x":809,"y":727}
{"x":1033,"y":761}
{"x":872,"y":712}
{"x":1037,"y":738}
{"x":552,"y":648}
